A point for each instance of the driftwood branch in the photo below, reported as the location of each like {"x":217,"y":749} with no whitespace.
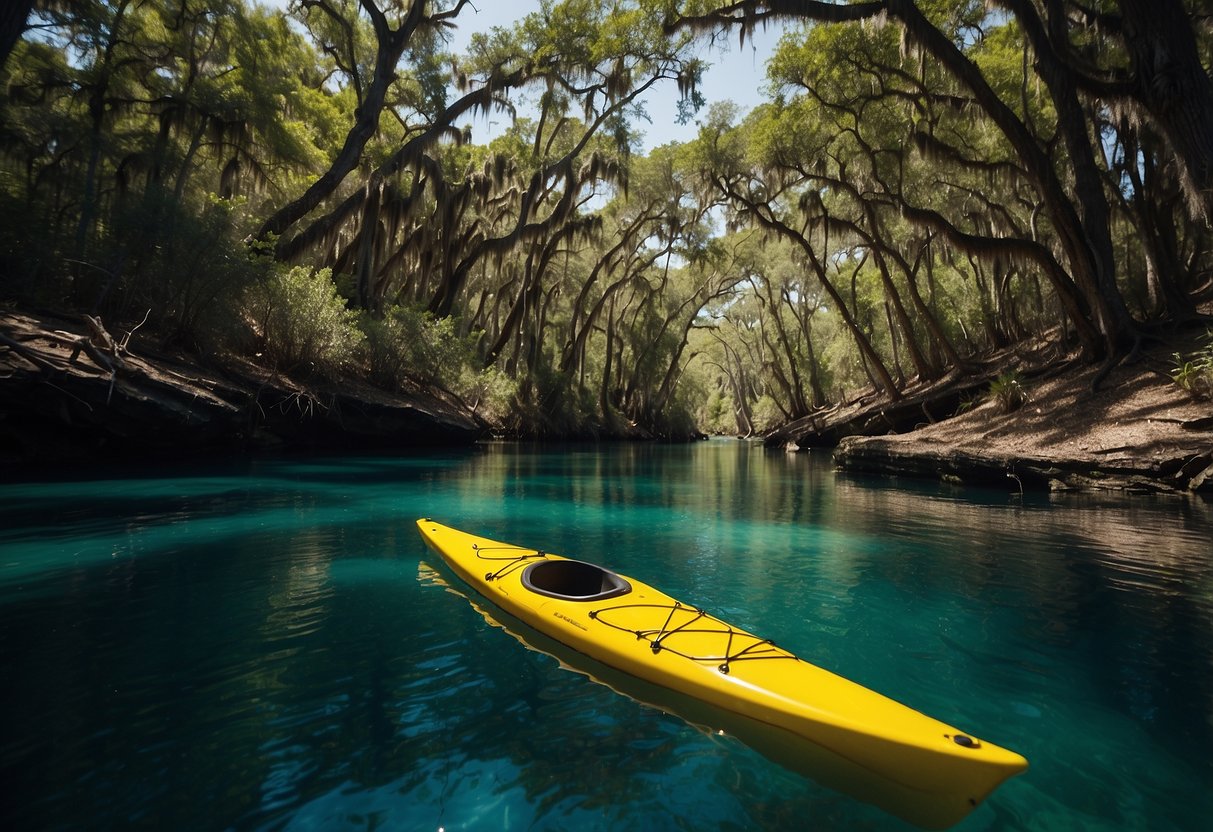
{"x":28,"y":354}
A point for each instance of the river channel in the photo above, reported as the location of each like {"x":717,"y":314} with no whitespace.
{"x":265,"y":644}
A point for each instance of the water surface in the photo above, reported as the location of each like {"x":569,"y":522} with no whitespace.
{"x":262,"y":645}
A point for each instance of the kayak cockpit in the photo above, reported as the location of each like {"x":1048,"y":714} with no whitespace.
{"x":573,"y":580}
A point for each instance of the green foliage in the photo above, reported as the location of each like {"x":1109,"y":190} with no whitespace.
{"x":1194,"y":372}
{"x":388,"y":347}
{"x":490,"y":393}
{"x":1007,"y":391}
{"x":554,"y":406}
{"x":119,"y":126}
{"x":716,"y":416}
{"x":303,"y":322}
{"x":766,"y":414}
{"x":409,"y":343}
{"x":967,"y":403}
{"x":679,"y":420}
{"x":187,"y":266}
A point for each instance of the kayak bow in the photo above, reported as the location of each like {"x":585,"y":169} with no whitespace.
{"x":632,"y":627}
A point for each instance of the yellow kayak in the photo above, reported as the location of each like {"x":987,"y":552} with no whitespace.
{"x":629,"y":626}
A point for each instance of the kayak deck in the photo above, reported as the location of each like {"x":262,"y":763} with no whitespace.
{"x":632,"y":627}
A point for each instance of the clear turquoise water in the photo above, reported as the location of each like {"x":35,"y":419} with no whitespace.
{"x":259,"y":645}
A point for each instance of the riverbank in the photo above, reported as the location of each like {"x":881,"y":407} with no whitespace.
{"x":1139,"y":432}
{"x":69,"y":390}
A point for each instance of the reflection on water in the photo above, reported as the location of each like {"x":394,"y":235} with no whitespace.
{"x":253,"y":639}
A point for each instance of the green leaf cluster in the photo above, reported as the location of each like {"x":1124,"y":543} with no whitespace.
{"x":1194,"y":372}
{"x":303,"y":324}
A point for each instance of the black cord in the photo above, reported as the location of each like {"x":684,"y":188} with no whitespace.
{"x":758,"y":648}
{"x":511,"y":564}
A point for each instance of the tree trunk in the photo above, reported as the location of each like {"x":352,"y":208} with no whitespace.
{"x":97,"y":99}
{"x":799,"y":406}
{"x":1085,"y":242}
{"x":1174,"y":88}
{"x":390,"y":47}
{"x":365,"y":257}
{"x":13,"y":15}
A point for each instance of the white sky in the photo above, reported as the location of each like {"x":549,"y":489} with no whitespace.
{"x":736,"y":74}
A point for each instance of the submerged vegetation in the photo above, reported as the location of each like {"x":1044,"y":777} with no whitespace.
{"x":926,"y":183}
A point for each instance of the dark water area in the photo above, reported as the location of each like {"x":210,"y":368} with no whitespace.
{"x":264,"y":644}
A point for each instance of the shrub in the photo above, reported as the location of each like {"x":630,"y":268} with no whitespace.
{"x":196,"y":273}
{"x":554,"y":404}
{"x":1195,"y":372}
{"x":766,"y":415}
{"x":677,"y":421}
{"x":716,"y":417}
{"x":304,"y":323}
{"x":1008,"y":392}
{"x":386,"y":349}
{"x":409,"y":343}
{"x":490,"y":393}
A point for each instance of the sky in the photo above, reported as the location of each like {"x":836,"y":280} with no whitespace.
{"x":735,"y":73}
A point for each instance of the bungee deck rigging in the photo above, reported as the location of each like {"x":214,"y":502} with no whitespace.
{"x":510,"y":562}
{"x":638,"y":630}
{"x":754,"y":648}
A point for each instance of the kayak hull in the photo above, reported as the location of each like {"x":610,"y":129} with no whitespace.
{"x":802,"y":711}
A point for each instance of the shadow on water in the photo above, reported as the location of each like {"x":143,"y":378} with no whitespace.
{"x":189,"y":691}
